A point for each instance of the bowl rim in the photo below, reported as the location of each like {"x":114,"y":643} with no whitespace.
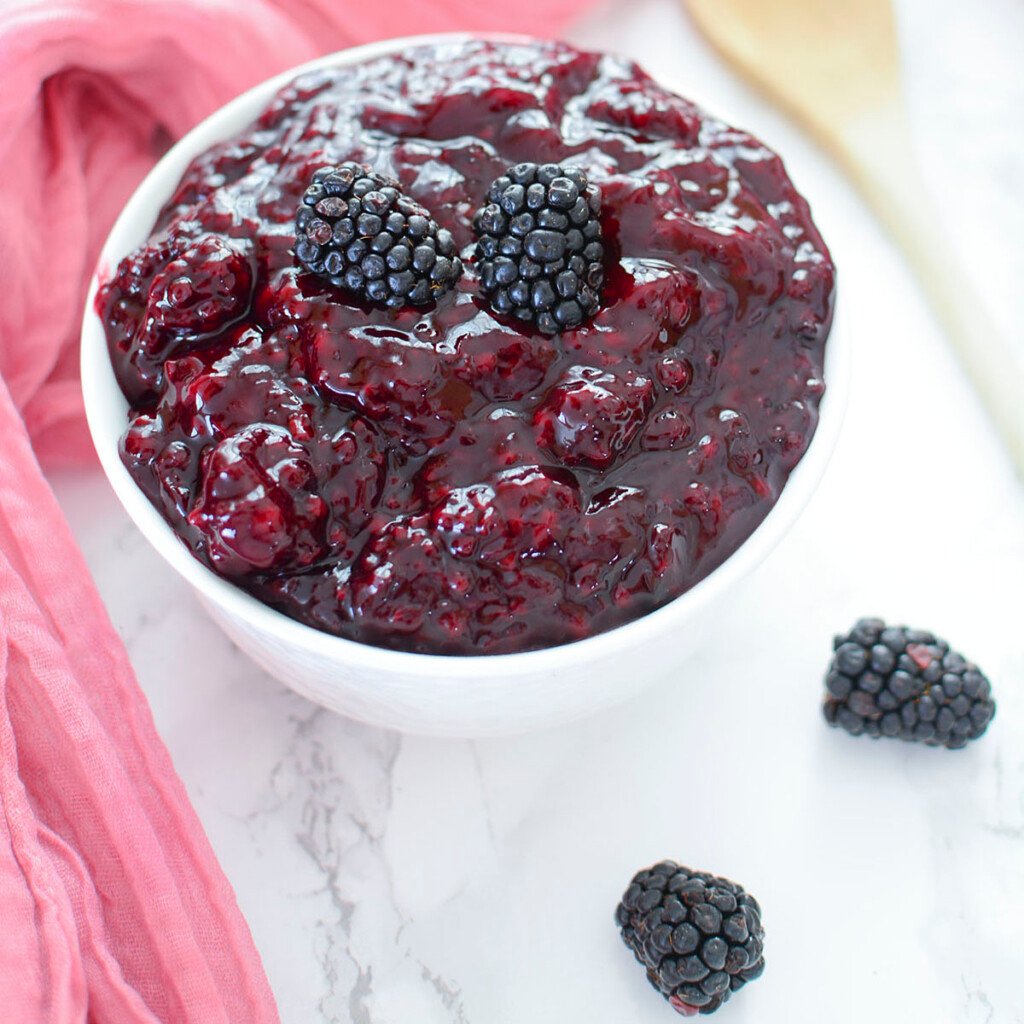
{"x":97,"y":376}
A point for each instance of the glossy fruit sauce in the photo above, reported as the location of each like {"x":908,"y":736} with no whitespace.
{"x":444,"y":480}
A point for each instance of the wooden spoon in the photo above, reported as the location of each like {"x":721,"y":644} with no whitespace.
{"x":835,"y":67}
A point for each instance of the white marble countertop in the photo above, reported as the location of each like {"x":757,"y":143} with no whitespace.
{"x":390,"y":879}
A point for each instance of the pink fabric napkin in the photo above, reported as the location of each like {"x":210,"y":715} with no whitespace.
{"x":113,"y":909}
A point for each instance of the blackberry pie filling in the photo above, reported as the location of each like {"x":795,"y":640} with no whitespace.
{"x":475,"y":348}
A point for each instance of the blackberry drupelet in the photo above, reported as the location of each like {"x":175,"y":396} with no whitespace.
{"x":540,"y":255}
{"x":699,"y":936}
{"x":894,"y":681}
{"x":358,"y":230}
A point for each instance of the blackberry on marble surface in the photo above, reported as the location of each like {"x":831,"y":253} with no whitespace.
{"x":699,"y":936}
{"x":540,"y":253}
{"x":358,"y":230}
{"x":905,"y":683}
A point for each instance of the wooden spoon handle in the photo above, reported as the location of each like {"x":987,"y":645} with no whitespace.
{"x":876,"y":153}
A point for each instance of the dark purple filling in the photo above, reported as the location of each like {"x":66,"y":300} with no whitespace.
{"x":442,"y":480}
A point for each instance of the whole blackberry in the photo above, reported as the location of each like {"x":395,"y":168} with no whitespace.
{"x":540,"y":254}
{"x":894,"y":681}
{"x":699,"y":936}
{"x":358,"y":230}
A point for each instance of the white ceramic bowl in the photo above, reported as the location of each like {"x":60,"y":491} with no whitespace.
{"x":431,"y":694}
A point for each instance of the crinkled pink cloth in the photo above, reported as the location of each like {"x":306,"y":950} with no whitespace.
{"x":113,"y":909}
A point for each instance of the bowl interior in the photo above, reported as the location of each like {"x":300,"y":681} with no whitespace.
{"x":107,"y":409}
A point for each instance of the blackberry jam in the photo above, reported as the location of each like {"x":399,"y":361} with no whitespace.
{"x":444,"y":479}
